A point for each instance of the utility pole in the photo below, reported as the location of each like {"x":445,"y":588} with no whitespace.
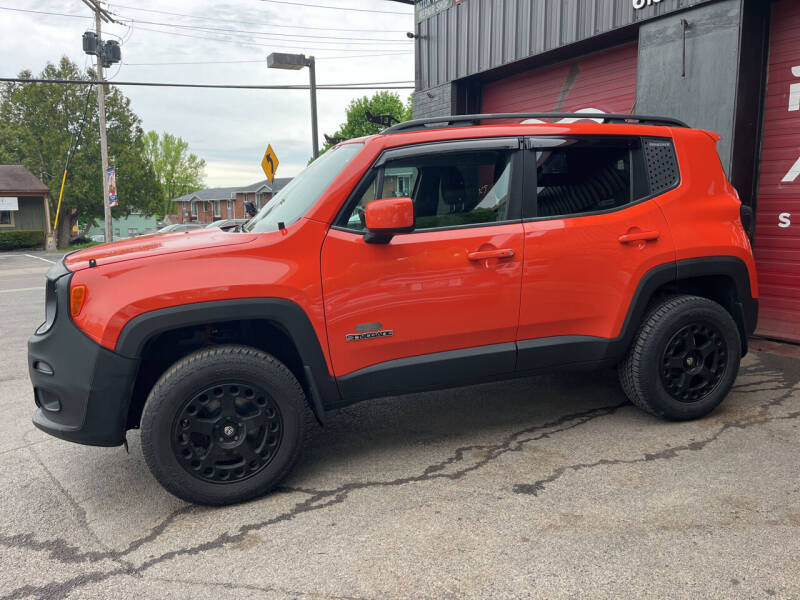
{"x":105,"y":56}
{"x":101,"y":114}
{"x":312,"y":75}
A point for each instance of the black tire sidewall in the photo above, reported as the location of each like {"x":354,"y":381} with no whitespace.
{"x":196,"y":373}
{"x":696,"y":310}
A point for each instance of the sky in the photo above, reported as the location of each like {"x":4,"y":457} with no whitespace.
{"x":230,"y":129}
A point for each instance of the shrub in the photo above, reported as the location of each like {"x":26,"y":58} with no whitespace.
{"x":21,"y":238}
{"x":79,"y":240}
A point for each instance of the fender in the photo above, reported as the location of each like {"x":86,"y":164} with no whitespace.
{"x":281,"y":312}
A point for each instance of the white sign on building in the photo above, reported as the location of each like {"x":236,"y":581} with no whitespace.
{"x":9,"y":203}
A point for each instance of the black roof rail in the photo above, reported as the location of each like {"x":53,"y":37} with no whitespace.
{"x":451,"y":120}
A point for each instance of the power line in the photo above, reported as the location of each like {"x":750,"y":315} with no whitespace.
{"x":385,"y":12}
{"x":330,"y":86}
{"x":260,"y":60}
{"x":248,"y":22}
{"x":267,"y":35}
{"x":299,"y":46}
{"x":43,"y":12}
{"x":364,"y":55}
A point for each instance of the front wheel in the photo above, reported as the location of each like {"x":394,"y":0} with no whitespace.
{"x":683,"y":360}
{"x":223,"y":425}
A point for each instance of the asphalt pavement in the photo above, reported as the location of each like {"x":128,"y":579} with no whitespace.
{"x":547,"y":487}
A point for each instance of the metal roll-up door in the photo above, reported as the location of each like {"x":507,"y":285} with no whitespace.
{"x":605,"y":81}
{"x":777,"y":239}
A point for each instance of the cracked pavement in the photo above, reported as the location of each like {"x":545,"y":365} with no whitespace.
{"x":548,"y":487}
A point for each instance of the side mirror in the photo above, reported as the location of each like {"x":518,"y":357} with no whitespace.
{"x":386,"y":218}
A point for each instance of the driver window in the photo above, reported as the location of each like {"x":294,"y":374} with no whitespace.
{"x":448,"y":190}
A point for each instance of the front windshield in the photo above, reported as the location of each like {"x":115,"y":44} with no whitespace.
{"x":300,"y":194}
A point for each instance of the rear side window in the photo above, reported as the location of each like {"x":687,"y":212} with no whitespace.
{"x":586,"y":175}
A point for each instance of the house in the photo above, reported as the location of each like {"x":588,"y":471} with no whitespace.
{"x":205,"y":206}
{"x":124,"y":227}
{"x":23,"y":200}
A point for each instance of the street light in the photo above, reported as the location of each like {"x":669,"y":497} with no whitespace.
{"x":295,"y":62}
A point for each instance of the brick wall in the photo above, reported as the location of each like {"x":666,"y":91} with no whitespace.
{"x":435,"y":102}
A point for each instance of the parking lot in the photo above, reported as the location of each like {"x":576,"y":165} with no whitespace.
{"x":544,"y":487}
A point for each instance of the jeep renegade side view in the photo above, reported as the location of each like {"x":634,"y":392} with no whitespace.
{"x":439,"y":253}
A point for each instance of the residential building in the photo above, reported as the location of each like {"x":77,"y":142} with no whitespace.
{"x":125,"y":227}
{"x":23,"y":200}
{"x":211,"y":204}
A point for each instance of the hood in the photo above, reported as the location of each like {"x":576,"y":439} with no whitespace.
{"x":155,"y":245}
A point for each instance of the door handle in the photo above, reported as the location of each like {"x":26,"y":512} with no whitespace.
{"x":638,"y":236}
{"x":483,"y":254}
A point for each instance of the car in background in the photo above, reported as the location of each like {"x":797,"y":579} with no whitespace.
{"x":226,"y":223}
{"x":100,"y":237}
{"x":180,"y":227}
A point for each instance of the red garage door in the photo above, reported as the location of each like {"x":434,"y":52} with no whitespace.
{"x":777,"y":241}
{"x":605,"y":81}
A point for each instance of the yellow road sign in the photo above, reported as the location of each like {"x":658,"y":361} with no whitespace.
{"x":269,"y":163}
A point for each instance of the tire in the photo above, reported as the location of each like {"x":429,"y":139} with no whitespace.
{"x":223,"y":425}
{"x":684,"y":359}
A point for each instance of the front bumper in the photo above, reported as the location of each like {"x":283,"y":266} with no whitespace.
{"x":81,"y":390}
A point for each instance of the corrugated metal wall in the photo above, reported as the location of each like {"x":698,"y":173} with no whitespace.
{"x":478,"y":35}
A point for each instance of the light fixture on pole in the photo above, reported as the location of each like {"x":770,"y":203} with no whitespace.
{"x":295,"y":62}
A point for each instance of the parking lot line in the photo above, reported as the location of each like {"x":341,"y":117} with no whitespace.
{"x":52,"y":262}
{"x":27,"y":289}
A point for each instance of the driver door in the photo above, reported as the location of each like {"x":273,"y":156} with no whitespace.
{"x":426,"y":310}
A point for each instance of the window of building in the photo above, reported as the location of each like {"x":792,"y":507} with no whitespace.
{"x":216,"y":205}
{"x":230,"y":209}
{"x":6,"y":218}
{"x":580,"y":176}
{"x":132,"y":231}
{"x":116,"y":232}
{"x":448,"y":189}
{"x":194,"y":208}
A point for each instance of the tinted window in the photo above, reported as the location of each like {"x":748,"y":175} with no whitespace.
{"x":585,"y":176}
{"x":300,"y":194}
{"x":452,"y":189}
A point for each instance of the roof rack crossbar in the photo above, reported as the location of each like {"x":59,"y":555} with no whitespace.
{"x":450,"y":120}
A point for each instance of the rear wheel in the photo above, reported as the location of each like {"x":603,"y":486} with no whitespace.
{"x":223,"y":425}
{"x":684,"y":359}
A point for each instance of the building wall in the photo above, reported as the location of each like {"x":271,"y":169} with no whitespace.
{"x":704,"y":95}
{"x":478,"y":35}
{"x":139,"y":222}
{"x":30,"y":214}
{"x":434,"y":102}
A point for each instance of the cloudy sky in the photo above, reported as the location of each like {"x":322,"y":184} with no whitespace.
{"x":228,"y":128}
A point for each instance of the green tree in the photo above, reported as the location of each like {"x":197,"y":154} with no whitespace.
{"x":38,"y":124}
{"x":177,"y":170}
{"x":381,"y":103}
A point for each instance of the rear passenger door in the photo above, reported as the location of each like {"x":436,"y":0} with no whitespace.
{"x":592,"y":230}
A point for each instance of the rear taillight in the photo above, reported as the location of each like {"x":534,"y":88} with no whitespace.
{"x":77,"y":296}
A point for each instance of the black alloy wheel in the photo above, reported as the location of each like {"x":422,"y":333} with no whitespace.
{"x":224,"y":424}
{"x":694,"y":362}
{"x":684,"y":358}
{"x":227,"y":432}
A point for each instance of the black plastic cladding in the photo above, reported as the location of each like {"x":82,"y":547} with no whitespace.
{"x":662,"y":166}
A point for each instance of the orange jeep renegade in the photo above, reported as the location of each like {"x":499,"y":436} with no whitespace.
{"x":441,"y":252}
